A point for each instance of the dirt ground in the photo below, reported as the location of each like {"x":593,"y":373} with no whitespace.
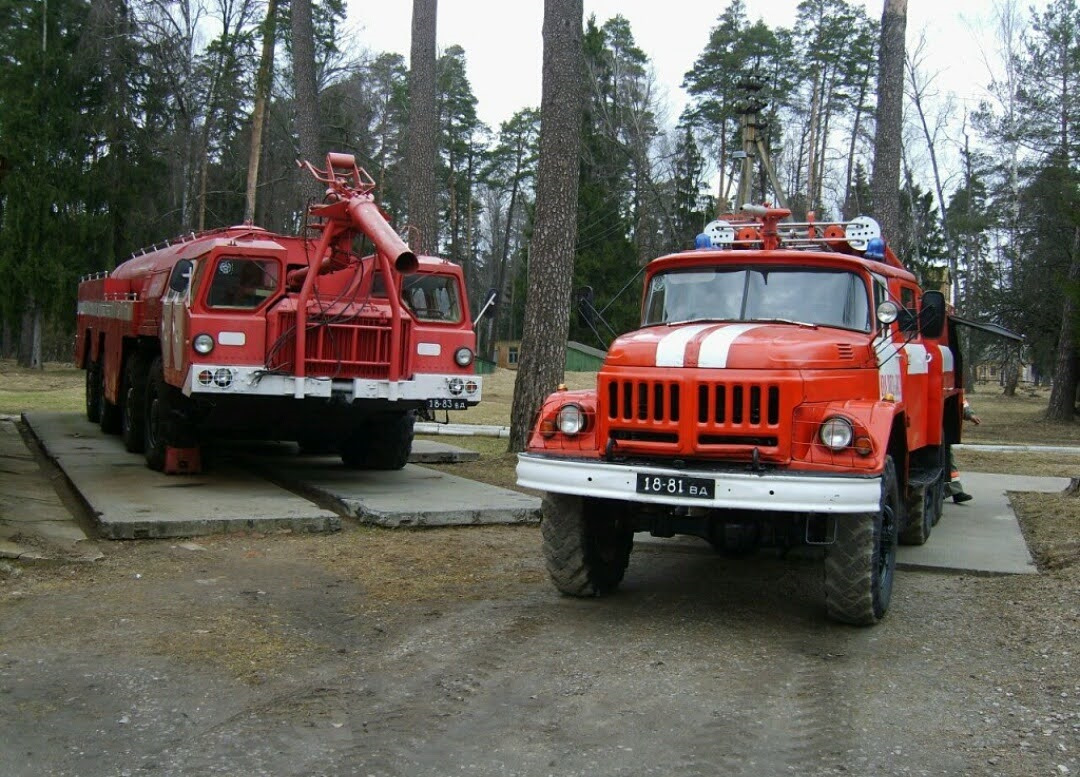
{"x":445,"y":651}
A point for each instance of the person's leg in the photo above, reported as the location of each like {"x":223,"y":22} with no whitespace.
{"x":954,"y":487}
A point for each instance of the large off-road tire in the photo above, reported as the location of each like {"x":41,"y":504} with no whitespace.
{"x":383,"y":442}
{"x":924,"y":510}
{"x":133,"y":405}
{"x":109,"y":416}
{"x":164,"y":425}
{"x":93,"y":392}
{"x":587,"y":543}
{"x":861,"y":562}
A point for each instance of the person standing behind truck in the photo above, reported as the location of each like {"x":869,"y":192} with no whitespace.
{"x":954,"y":486}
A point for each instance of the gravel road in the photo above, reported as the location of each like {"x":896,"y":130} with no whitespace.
{"x":445,"y":652}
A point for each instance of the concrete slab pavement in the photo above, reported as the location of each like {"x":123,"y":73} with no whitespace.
{"x":34,"y":522}
{"x":413,"y":496}
{"x":133,"y":502}
{"x":983,"y":535}
{"x":979,"y":537}
{"x":264,"y":487}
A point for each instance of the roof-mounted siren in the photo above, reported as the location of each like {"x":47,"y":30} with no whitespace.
{"x":717,"y":234}
{"x":861,"y":233}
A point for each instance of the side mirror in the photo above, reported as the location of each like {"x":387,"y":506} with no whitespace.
{"x":932,"y":314}
{"x":181,"y":276}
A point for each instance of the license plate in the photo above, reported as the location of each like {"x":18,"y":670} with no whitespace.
{"x":676,"y":485}
{"x":441,"y":403}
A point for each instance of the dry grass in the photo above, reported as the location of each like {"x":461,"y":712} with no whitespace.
{"x":57,"y":387}
{"x":1051,"y":525}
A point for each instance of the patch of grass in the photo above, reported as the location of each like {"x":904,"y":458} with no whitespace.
{"x":1051,"y":526}
{"x":1015,"y":420}
{"x":411,"y":565}
{"x":56,"y":387}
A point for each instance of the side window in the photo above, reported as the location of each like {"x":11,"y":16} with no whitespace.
{"x":909,"y":319}
{"x":243,"y":284}
{"x":881,"y":294}
{"x":512,"y":355}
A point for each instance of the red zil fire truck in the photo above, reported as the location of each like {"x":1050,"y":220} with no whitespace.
{"x":790,"y":384}
{"x":240,"y":332}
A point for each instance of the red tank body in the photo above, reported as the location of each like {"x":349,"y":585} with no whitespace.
{"x":200,"y":338}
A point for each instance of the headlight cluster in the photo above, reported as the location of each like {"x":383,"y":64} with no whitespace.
{"x":463,"y":356}
{"x":838,"y":433}
{"x":570,"y":420}
{"x":203,"y":343}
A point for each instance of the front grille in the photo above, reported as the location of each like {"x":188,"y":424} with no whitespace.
{"x":736,"y":404}
{"x":642,"y":400}
{"x":721,"y":418}
{"x":339,"y":347}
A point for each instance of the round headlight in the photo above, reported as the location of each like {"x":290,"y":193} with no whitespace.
{"x":887,"y":312}
{"x":204,"y":344}
{"x":836,"y":433}
{"x":463,"y":356}
{"x":570,"y":419}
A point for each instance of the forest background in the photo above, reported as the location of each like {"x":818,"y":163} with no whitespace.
{"x":123,"y":122}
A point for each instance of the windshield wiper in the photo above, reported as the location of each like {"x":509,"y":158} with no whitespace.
{"x":783,"y":321}
{"x":701,"y":321}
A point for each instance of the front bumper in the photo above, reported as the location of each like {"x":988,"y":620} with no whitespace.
{"x":799,"y":492}
{"x":224,"y":379}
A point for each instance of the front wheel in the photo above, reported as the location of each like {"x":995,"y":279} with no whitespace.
{"x":861,"y":561}
{"x":586,"y":542}
{"x":164,"y":422}
{"x":383,"y":442}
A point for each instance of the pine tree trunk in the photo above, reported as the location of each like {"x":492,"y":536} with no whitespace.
{"x":1063,"y":394}
{"x":422,"y":140}
{"x":306,"y":93}
{"x":885,"y":182}
{"x":258,"y":113}
{"x":551,"y":264}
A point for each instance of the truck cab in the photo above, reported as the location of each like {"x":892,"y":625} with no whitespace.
{"x":789,"y":384}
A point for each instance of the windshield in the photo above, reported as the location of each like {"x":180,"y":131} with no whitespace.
{"x":821,"y":297}
{"x":242,"y":283}
{"x":432,"y":297}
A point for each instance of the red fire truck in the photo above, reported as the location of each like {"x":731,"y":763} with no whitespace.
{"x":240,"y":332}
{"x":790,"y":384}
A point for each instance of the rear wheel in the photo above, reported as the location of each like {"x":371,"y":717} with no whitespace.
{"x":383,"y":442}
{"x":587,"y":543}
{"x":861,"y":561}
{"x":93,"y":392}
{"x":133,"y":406}
{"x":924,"y":508}
{"x":109,"y":415}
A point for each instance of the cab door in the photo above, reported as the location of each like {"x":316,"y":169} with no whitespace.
{"x":919,"y":360}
